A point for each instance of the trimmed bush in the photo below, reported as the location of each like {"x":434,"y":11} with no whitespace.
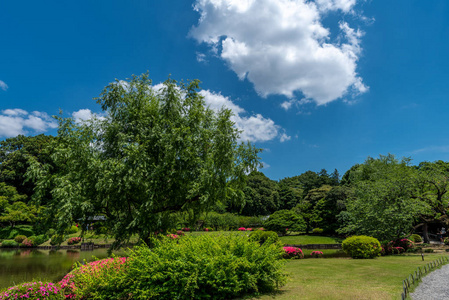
{"x":416,"y":238}
{"x":317,"y":230}
{"x":73,"y":240}
{"x":19,"y":238}
{"x":27,"y":243}
{"x":33,"y":290}
{"x":316,"y":254}
{"x":293,"y":253}
{"x":362,"y":246}
{"x":72,"y":230}
{"x":9,"y":244}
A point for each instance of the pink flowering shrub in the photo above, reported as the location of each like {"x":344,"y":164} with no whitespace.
{"x":397,"y":246}
{"x":173,"y":236}
{"x":261,"y":228}
{"x":27,"y":243}
{"x":100,"y":277}
{"x":208,"y":229}
{"x":316,"y":254}
{"x":242,"y":229}
{"x":33,"y":290}
{"x":186,"y":229}
{"x":249,"y":229}
{"x":180,"y":233}
{"x":73,"y":240}
{"x":293,"y":252}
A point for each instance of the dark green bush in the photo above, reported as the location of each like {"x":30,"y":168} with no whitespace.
{"x":204,"y":267}
{"x":362,"y":246}
{"x":19,"y":238}
{"x":262,"y":236}
{"x":9,"y":244}
{"x":57,"y":239}
{"x":72,"y":230}
{"x":428,"y":250}
{"x":11,"y":232}
{"x":416,"y":238}
{"x":317,"y":230}
{"x":285,"y":220}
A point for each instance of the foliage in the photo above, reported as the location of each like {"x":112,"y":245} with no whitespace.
{"x":283,"y":220}
{"x":196,"y":268}
{"x":57,"y":239}
{"x":226,"y":221}
{"x":361,"y":247}
{"x":10,"y":232}
{"x":73,"y":229}
{"x":261,"y":195}
{"x":96,"y":280}
{"x":317,"y":230}
{"x":384,"y":205}
{"x":27,"y":243}
{"x":9,"y":244}
{"x":73,"y":240}
{"x":416,"y":238}
{"x":39,"y":239}
{"x":19,"y":238}
{"x":446,"y":241}
{"x":293,"y":253}
{"x":262,"y":236}
{"x":157,"y":152}
{"x":33,"y":290}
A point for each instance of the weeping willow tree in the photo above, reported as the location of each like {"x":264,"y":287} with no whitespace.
{"x":157,"y":151}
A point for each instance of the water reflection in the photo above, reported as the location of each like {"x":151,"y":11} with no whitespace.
{"x":20,"y":265}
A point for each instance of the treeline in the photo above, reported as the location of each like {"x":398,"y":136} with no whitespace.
{"x":384,"y":197}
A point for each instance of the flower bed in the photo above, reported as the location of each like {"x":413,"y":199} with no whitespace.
{"x":33,"y":290}
{"x":73,"y":240}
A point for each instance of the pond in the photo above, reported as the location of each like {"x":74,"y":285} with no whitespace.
{"x":22,"y":265}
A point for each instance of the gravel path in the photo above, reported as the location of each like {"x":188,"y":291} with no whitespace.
{"x":434,"y":286}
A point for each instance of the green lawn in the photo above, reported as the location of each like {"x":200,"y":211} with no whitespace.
{"x":309,"y":239}
{"x":340,"y":278}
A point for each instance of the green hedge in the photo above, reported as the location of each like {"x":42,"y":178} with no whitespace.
{"x":262,"y":236}
{"x":362,"y":246}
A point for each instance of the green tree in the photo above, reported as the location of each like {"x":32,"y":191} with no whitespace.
{"x":283,"y":221}
{"x":261,"y":195}
{"x":156,"y":153}
{"x":384,"y":205}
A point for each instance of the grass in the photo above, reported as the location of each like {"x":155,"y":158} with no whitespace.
{"x":308,"y":239}
{"x":337,"y":278}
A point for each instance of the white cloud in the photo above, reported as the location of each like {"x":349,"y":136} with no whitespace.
{"x":287,"y":105}
{"x":82,"y":115}
{"x":254,"y":128}
{"x":3,"y":85}
{"x":201,"y":57}
{"x":281,"y":46}
{"x":285,"y":137}
{"x":18,"y":121}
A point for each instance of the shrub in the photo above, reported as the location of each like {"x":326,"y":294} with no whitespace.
{"x":404,"y":243}
{"x":173,"y":236}
{"x":416,"y":238}
{"x":73,"y":240}
{"x":446,"y":241}
{"x":71,"y":230}
{"x":40,"y":239}
{"x":27,"y":243}
{"x":33,"y":290}
{"x":428,"y":250}
{"x":196,"y":268}
{"x":19,"y":238}
{"x":9,"y":244}
{"x":95,"y":280}
{"x":57,"y":239}
{"x":316,"y":254}
{"x":208,"y":229}
{"x":317,"y":230}
{"x":293,"y":252}
{"x":362,"y":246}
{"x":186,"y":229}
{"x":225,"y":221}
{"x":282,"y":219}
{"x":180,"y":233}
{"x":242,"y":229}
{"x":264,"y":236}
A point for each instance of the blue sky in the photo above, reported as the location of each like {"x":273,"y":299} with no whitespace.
{"x":317,"y":84}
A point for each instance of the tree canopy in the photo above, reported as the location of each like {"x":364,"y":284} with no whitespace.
{"x":154,"y":153}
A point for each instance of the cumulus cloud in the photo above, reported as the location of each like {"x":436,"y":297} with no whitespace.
{"x":282,"y":47}
{"x":254,"y":128}
{"x":18,"y":121}
{"x":3,"y":85}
